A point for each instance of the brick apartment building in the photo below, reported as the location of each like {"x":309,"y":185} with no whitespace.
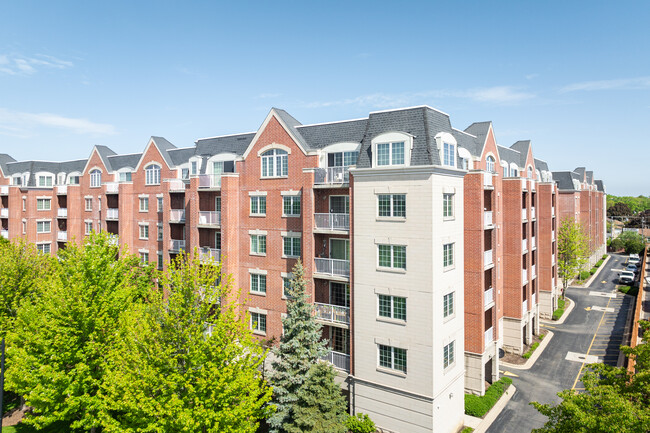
{"x":426,"y":248}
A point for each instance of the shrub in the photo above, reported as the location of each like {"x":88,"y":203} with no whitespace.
{"x":480,"y":405}
{"x":593,"y":270}
{"x":599,"y":263}
{"x":531,"y":350}
{"x":361,"y":423}
{"x":467,"y":430}
{"x":560,"y":309}
{"x":584,"y":275}
{"x":604,"y":256}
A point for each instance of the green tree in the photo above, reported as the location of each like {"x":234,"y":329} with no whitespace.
{"x":572,"y":251}
{"x":185,"y":362}
{"x":614,"y":401}
{"x":633,"y":242}
{"x":56,"y":356}
{"x":320,"y":407}
{"x":300,"y":348}
{"x":619,"y":209}
{"x":22,"y":271}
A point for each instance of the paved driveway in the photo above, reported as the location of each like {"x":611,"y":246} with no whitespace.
{"x":588,"y":330}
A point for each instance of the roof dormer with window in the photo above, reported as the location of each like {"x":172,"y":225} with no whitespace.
{"x":392,"y":149}
{"x":448,"y":148}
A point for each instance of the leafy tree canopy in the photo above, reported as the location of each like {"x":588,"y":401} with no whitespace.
{"x":635,"y":204}
{"x":573,"y":250}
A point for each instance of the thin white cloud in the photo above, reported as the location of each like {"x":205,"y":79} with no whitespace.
{"x":20,"y":124}
{"x":507,"y":95}
{"x":622,"y":83}
{"x":23,"y":65}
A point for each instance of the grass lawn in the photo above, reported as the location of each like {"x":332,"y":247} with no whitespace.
{"x":561,"y":303}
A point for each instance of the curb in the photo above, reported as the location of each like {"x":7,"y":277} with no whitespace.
{"x":564,"y":316}
{"x":593,"y":277}
{"x":485,"y":423}
{"x":536,"y":354}
{"x":627,"y":332}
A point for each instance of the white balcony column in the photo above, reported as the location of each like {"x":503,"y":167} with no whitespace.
{"x":62,"y":212}
{"x":487,"y":257}
{"x":488,"y":297}
{"x":487,"y":218}
{"x":489,"y":336}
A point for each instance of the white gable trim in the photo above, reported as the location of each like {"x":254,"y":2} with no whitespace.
{"x":258,"y":134}
{"x":85,"y":170}
{"x":151,"y":142}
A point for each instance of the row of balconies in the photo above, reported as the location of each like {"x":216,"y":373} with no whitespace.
{"x":4,"y":233}
{"x":4,"y":212}
{"x":4,"y":189}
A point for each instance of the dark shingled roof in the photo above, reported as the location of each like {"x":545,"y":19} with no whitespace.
{"x":164,"y":146}
{"x":236,"y":144}
{"x":181,"y":156}
{"x":319,"y":136}
{"x":590,"y":177}
{"x":565,"y":179}
{"x":468,"y":142}
{"x":125,"y":161}
{"x":104,"y":153}
{"x":4,"y":159}
{"x":541,"y":165}
{"x":33,"y":167}
{"x":421,"y":122}
{"x":480,"y":131}
{"x":599,"y":185}
{"x":509,"y":155}
{"x":522,"y":146}
{"x":581,"y":172}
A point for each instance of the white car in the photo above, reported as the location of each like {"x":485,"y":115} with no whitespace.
{"x":626,"y":277}
{"x":633,"y":261}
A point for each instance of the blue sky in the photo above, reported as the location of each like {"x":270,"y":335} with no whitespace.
{"x":573,"y":77}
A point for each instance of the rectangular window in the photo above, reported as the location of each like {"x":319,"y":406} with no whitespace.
{"x":24,"y":204}
{"x":144,"y":257}
{"x":340,"y":204}
{"x":391,"y":205}
{"x":89,"y":204}
{"x":43,"y":226}
{"x":73,"y":180}
{"x":24,"y":227}
{"x":449,"y":154}
{"x":125,"y":177}
{"x":393,"y":307}
{"x":447,"y":205}
{"x":144,"y":204}
{"x":447,"y":255}
{"x":185,"y":173}
{"x":43,"y":204}
{"x":160,"y":232}
{"x":160,"y":260}
{"x":390,"y":153}
{"x":43,"y":248}
{"x":286,"y":286}
{"x":258,"y":322}
{"x":258,"y":244}
{"x":258,"y":205}
{"x":44,"y":181}
{"x":258,"y":283}
{"x":448,"y":355}
{"x":291,"y":246}
{"x":392,"y":357}
{"x":88,"y":227}
{"x":194,"y":168}
{"x":448,"y":304}
{"x":160,"y":204}
{"x":291,"y":205}
{"x":144,"y":231}
{"x":392,"y":256}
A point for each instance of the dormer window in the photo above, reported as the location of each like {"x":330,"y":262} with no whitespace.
{"x":95,"y":178}
{"x":44,"y":181}
{"x":489,"y":164}
{"x":449,"y":154}
{"x":185,"y":173}
{"x":342,"y":159}
{"x":530,"y":172}
{"x":275,"y":163}
{"x":152,"y":174}
{"x":125,"y":176}
{"x":17,"y":180}
{"x":194,"y":166}
{"x":73,"y":180}
{"x":390,"y":153}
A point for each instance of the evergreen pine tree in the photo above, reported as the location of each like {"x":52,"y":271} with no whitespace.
{"x":320,"y":406}
{"x":300,"y":348}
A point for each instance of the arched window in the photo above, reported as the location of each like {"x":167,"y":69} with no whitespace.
{"x":490,"y":164}
{"x":152,"y":174}
{"x":95,"y":178}
{"x":530,"y":172}
{"x":275,"y":163}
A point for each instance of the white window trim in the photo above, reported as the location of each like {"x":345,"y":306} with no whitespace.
{"x":291,"y":235}
{"x":45,"y":199}
{"x":257,"y":197}
{"x":453,"y":314}
{"x":146,"y":177}
{"x":292,"y":197}
{"x":453,"y":206}
{"x":258,"y":272}
{"x":90,"y":177}
{"x":140,"y":201}
{"x":391,"y":319}
{"x":453,"y":256}
{"x":451,"y":364}
{"x":140,"y":225}
{"x":390,"y":217}
{"x":44,"y":221}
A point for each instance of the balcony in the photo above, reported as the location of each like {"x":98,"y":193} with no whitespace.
{"x":524,"y":307}
{"x":332,"y":176}
{"x":553,"y":282}
{"x":524,"y":184}
{"x":524,"y":245}
{"x":532,"y":185}
{"x":533,"y":271}
{"x":488,"y":298}
{"x":487,"y":259}
{"x":487,"y":180}
{"x":177,"y":215}
{"x":209,"y":218}
{"x":112,"y":214}
{"x":62,"y":236}
{"x":4,"y":233}
{"x":332,"y":222}
{"x":524,"y":276}
{"x":4,"y":189}
{"x":206,"y":254}
{"x":552,"y":259}
{"x":339,"y":360}
{"x":489,"y":336}
{"x":4,"y":213}
{"x":553,"y":211}
{"x":113,"y":240}
{"x":532,"y":213}
{"x":61,"y":189}
{"x":176,"y":185}
{"x":210,"y":181}
{"x":332,"y":267}
{"x":176,"y":245}
{"x":334,"y":314}
{"x":533,"y":300}
{"x":552,"y":235}
{"x":62,"y":212}
{"x":533,"y":243}
{"x":487,"y":219}
{"x":524,"y":216}
{"x":112,"y":187}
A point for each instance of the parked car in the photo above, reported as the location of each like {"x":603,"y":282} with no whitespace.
{"x":633,"y":261}
{"x":626,"y":277}
{"x":634,"y":256}
{"x":632,"y":268}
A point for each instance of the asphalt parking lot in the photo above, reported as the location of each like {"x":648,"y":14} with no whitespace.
{"x":593,"y":332}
